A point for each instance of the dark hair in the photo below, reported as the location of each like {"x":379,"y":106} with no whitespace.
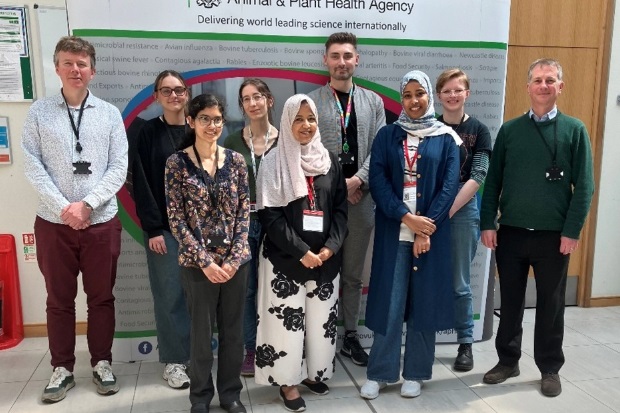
{"x":341,"y":38}
{"x":76,"y":45}
{"x":160,"y":77}
{"x":262,"y":88}
{"x":206,"y":100}
{"x":448,"y":75}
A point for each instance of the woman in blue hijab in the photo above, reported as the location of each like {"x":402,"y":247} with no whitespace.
{"x":414,"y":175}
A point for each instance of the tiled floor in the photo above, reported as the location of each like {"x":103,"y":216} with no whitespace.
{"x":590,"y":378}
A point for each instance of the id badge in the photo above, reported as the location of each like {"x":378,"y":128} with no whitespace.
{"x":555,"y":173}
{"x":346,"y":158}
{"x":313,"y":221}
{"x":252,"y":206}
{"x":409,"y":192}
{"x":81,"y":168}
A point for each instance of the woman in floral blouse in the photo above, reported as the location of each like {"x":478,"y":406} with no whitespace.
{"x":208,"y":209}
{"x":302,"y":205}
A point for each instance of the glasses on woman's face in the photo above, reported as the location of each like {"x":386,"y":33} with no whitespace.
{"x":205,"y":121}
{"x":257,"y":97}
{"x":167,"y":91}
{"x":455,"y":92}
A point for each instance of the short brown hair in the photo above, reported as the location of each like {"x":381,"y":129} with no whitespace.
{"x":341,"y":38}
{"x":545,"y":61}
{"x":76,"y":45}
{"x":450,"y":74}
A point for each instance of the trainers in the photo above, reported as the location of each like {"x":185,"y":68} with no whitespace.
{"x":319,"y":387}
{"x":104,"y":378}
{"x":247,"y":368}
{"x":176,"y":376}
{"x":550,"y":384}
{"x":370,"y":389}
{"x":352,"y":348}
{"x":499,"y":374}
{"x":411,"y":388}
{"x":465,"y":359}
{"x":60,"y":383}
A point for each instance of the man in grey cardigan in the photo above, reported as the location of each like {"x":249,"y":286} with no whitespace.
{"x":349,"y":119}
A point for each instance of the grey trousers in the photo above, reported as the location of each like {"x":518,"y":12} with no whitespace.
{"x":360,"y":223}
{"x":209,"y":303}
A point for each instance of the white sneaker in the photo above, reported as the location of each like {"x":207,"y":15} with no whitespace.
{"x":411,"y":388}
{"x":176,"y":376}
{"x":61,"y":381}
{"x":104,"y":378}
{"x":370,"y":389}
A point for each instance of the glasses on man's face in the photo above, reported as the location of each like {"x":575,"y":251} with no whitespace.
{"x":167,"y":91}
{"x":455,"y":92}
{"x":206,"y":121}
{"x":247,"y":100}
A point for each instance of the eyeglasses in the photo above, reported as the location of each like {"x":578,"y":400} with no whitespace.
{"x":206,"y":121}
{"x":247,"y":100}
{"x":167,"y":91}
{"x":455,"y":92}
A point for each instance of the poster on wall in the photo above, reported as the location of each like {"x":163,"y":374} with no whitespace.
{"x":216,"y":44}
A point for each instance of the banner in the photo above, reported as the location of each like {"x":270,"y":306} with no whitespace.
{"x":215,"y":44}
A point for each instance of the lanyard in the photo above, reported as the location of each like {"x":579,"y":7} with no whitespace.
{"x":410,"y":162}
{"x":345,"y":117}
{"x":213,"y":188}
{"x":553,"y":152}
{"x":76,"y":130}
{"x":254,"y":167}
{"x":170,"y":138}
{"x":311,"y":193}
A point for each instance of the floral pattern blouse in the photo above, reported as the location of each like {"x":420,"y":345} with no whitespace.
{"x":209,"y":219}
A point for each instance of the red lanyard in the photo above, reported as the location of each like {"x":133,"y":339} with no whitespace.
{"x":311,"y":194}
{"x":410,"y":161}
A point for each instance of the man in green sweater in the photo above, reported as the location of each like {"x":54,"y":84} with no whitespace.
{"x":540,"y":180}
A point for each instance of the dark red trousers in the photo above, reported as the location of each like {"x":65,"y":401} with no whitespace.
{"x":62,"y":254}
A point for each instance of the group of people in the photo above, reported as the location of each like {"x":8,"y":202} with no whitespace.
{"x":265,"y":237}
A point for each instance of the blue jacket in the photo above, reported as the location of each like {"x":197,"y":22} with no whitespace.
{"x":432,"y":303}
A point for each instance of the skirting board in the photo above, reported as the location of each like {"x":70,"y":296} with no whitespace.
{"x":40,"y":330}
{"x":604,"y":301}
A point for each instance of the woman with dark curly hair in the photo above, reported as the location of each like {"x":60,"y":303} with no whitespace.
{"x":208,"y":204}
{"x":302,"y":206}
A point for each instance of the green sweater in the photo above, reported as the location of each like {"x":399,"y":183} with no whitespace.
{"x":516,"y":183}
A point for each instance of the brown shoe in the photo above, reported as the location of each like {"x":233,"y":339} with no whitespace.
{"x":499,"y":374}
{"x":550,"y":384}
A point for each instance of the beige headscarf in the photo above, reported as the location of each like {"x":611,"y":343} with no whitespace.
{"x":282,"y":173}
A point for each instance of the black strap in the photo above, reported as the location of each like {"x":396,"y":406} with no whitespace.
{"x":76,"y":130}
{"x":553,"y":152}
{"x":170,"y":138}
{"x":212,"y":188}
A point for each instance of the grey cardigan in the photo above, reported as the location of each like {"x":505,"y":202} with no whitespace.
{"x":370,"y":115}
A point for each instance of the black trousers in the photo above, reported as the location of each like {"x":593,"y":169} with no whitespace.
{"x":517,"y":250}
{"x":210,"y":303}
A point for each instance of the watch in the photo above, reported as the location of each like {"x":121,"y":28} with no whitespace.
{"x":87,"y":205}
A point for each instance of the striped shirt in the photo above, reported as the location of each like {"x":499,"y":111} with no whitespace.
{"x":48,"y":142}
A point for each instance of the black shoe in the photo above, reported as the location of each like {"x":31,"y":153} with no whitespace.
{"x":465,"y":359}
{"x":319,"y":387}
{"x":550,"y":385}
{"x":234,"y":407}
{"x":297,"y":405}
{"x":200,"y":408}
{"x":352,"y":348}
{"x":499,"y":374}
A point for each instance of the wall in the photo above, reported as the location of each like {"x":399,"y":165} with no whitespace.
{"x":606,"y":282}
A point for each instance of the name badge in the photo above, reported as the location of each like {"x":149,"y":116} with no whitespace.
{"x":346,"y":158}
{"x":313,"y":221}
{"x":409,"y":193}
{"x":252,"y":206}
{"x":81,"y":168}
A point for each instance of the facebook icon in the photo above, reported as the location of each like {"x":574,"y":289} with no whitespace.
{"x":145,"y":347}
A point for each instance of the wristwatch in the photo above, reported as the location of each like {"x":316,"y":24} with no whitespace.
{"x":88,"y":206}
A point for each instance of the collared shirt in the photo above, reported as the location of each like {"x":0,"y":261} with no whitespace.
{"x":547,"y":116}
{"x":48,"y":142}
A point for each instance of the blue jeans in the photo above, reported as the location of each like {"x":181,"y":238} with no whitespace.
{"x":249,"y":316}
{"x":171,"y":315}
{"x":384,"y":359}
{"x":465,"y":229}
